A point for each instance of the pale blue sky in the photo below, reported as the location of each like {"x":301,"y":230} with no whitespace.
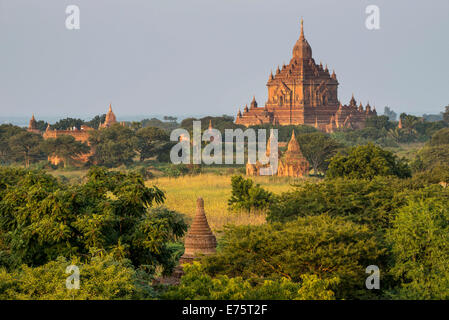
{"x":182,"y":57}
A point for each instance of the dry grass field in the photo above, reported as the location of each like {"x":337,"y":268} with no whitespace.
{"x":215,"y":189}
{"x":182,"y":193}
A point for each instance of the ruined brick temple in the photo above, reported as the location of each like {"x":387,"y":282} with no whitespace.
{"x":304,"y":92}
{"x":292,"y":162}
{"x":81,"y":134}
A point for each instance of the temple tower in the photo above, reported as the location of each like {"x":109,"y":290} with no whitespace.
{"x":32,"y":126}
{"x":110,"y":118}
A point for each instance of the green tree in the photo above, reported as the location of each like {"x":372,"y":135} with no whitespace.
{"x":318,"y":148}
{"x":102,"y":277}
{"x":65,"y":147}
{"x":26,"y":145}
{"x":246,"y":195}
{"x":317,"y":245}
{"x":440,"y":137}
{"x":6,"y":132}
{"x":153,"y":142}
{"x":68,"y":123}
{"x":113,"y":146}
{"x":432,"y":156}
{"x":197,"y":285}
{"x":96,"y":121}
{"x":370,"y":202}
{"x":41,"y":219}
{"x":420,"y":246}
{"x":41,"y":125}
{"x":366,"y":162}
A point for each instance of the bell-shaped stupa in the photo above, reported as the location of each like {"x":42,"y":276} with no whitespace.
{"x":199,"y":239}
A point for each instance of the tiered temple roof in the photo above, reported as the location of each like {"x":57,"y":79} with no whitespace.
{"x":304,"y":92}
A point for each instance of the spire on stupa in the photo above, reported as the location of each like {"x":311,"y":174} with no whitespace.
{"x":302,"y":49}
{"x":110,"y":118}
{"x":32,"y":124}
{"x":293,"y":146}
{"x":253,"y":103}
{"x":353,"y":102}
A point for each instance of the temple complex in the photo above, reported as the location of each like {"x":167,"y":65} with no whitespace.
{"x":305,"y":93}
{"x":81,"y":135}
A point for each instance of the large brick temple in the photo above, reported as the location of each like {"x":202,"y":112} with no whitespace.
{"x":304,"y":92}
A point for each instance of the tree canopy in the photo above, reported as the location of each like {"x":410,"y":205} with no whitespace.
{"x":366,"y":162}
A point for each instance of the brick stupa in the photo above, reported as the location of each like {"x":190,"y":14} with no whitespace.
{"x":199,"y":239}
{"x":292,"y":162}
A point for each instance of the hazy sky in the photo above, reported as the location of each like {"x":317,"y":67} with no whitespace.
{"x":187,"y":57}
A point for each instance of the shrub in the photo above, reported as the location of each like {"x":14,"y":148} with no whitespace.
{"x":420,"y":246}
{"x":322,"y":246}
{"x":248,"y":196}
{"x":366,"y":162}
{"x":197,"y":285}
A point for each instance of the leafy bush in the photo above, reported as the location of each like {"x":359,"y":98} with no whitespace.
{"x":420,"y":246}
{"x":319,"y":245}
{"x":196,"y":284}
{"x":248,"y":196}
{"x":103,"y":277}
{"x":366,"y":162}
{"x":371,"y":202}
{"x":41,"y":219}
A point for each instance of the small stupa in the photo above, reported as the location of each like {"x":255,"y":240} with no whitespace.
{"x":199,"y":240}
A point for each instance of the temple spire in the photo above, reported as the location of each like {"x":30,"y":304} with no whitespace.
{"x":302,"y":29}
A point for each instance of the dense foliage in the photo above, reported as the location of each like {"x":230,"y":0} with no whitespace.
{"x":247,"y":196}
{"x":317,"y":245}
{"x":65,"y":147}
{"x":371,"y":202}
{"x":103,"y":277}
{"x":366,"y":162}
{"x":420,"y":246}
{"x":318,"y":148}
{"x":198,"y":285}
{"x":41,"y":219}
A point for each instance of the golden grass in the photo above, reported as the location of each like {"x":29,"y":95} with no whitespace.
{"x":182,"y":193}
